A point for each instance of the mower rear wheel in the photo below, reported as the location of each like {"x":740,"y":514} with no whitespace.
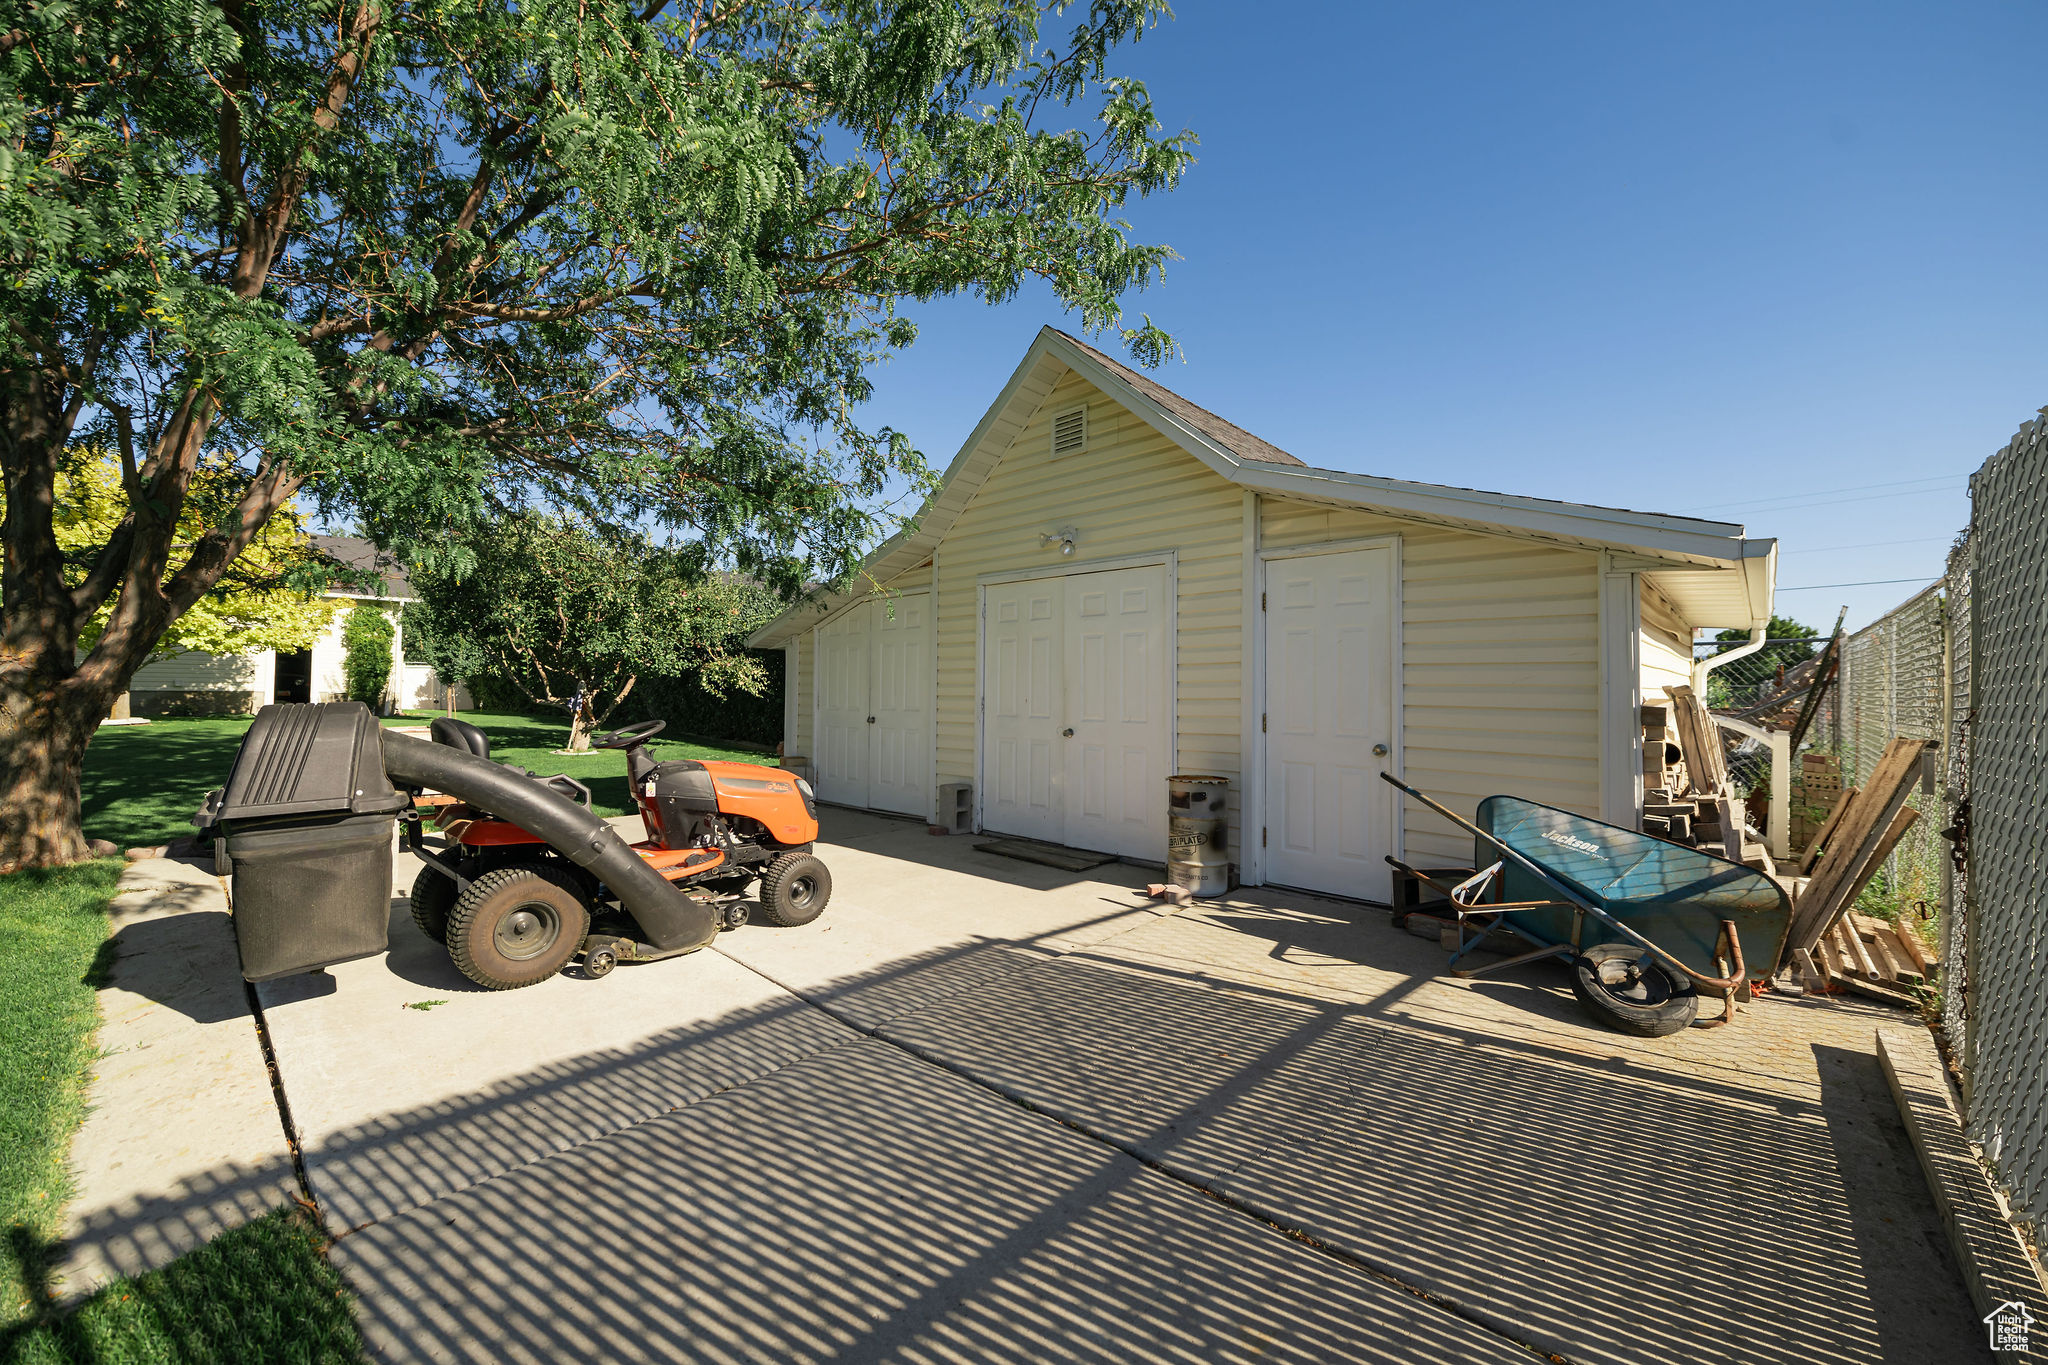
{"x":433,"y":896}
{"x":517,"y":926}
{"x":794,"y":889}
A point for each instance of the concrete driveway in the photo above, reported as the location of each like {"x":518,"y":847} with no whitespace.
{"x":984,"y":1110}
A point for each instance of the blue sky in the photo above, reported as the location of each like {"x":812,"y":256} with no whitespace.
{"x":1780,"y":264}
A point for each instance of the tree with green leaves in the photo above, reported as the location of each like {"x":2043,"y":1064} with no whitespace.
{"x":366,"y":639}
{"x":430,"y":261}
{"x":574,"y":616}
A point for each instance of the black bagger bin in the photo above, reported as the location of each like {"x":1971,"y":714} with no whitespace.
{"x":305,"y":826}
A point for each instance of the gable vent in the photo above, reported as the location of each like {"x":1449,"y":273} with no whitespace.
{"x":1069,"y":430}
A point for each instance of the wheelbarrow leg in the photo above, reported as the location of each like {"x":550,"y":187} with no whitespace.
{"x":1736,"y":976}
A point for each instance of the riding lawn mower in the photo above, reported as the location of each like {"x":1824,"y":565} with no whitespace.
{"x":521,"y":877}
{"x":513,"y":911}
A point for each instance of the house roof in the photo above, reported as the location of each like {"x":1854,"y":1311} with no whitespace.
{"x":1710,"y":571}
{"x":358,"y":553}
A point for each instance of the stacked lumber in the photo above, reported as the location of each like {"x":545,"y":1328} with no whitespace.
{"x":1860,"y":832}
{"x":1870,"y":957}
{"x":1694,"y":803}
{"x":1816,"y":790}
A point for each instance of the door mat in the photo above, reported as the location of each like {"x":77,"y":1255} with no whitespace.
{"x":1046,"y":855}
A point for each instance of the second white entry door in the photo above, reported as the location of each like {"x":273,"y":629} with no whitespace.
{"x":1329,"y":726}
{"x":874,"y":706}
{"x":1077,"y":726}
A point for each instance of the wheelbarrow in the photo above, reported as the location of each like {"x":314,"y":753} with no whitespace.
{"x":1644,"y":923}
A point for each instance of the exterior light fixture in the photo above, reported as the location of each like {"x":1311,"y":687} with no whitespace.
{"x":1064,"y":538}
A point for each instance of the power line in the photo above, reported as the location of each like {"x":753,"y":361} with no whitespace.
{"x":1940,"y":479}
{"x":1866,"y":583}
{"x":1863,"y":545}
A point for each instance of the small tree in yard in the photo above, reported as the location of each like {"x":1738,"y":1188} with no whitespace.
{"x":576,"y":616}
{"x":366,"y":653}
{"x":269,"y":598}
{"x":430,"y":261}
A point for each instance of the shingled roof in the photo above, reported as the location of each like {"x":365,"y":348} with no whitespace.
{"x":1231,"y":437}
{"x":361,"y":555}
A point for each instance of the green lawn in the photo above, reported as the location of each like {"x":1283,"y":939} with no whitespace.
{"x":142,"y":782}
{"x":261,"y":1293}
{"x":52,"y":928}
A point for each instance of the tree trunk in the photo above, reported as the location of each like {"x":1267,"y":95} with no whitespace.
{"x":582,"y":720}
{"x":41,"y":753}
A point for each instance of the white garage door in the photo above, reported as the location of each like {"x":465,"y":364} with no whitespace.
{"x":1330,"y":721}
{"x":874,"y":706}
{"x":1077,"y":725}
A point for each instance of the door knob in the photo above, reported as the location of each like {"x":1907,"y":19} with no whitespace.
{"x":871,"y":720}
{"x":1068,"y":733}
{"x":1379,"y":750}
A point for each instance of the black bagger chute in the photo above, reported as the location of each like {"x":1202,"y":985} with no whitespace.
{"x":304,"y":825}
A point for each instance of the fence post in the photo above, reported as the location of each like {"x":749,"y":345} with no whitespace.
{"x":1780,"y":832}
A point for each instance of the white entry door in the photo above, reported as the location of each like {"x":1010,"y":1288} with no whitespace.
{"x":1077,"y":727}
{"x":1330,"y":721}
{"x":874,"y":706}
{"x":899,"y":698}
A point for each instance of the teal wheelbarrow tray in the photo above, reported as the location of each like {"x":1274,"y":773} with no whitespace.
{"x":1644,"y":923}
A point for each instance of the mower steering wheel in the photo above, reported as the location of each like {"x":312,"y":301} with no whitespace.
{"x":630,"y":735}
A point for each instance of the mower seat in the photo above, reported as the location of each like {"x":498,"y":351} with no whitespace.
{"x":460,"y":734}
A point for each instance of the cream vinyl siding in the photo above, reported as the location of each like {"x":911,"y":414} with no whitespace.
{"x":1666,"y":647}
{"x":1500,"y":666}
{"x":1129,"y":492}
{"x":800,"y":678}
{"x":194,"y":671}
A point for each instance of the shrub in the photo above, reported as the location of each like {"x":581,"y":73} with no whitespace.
{"x":366,"y":663}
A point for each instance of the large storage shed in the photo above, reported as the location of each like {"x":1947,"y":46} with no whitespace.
{"x":1113,"y":585}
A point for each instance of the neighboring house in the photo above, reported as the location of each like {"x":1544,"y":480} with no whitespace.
{"x":199,"y":684}
{"x":1113,"y":585}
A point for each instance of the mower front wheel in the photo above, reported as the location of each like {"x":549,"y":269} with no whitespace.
{"x":433,"y":896}
{"x":794,"y":889}
{"x":517,"y":926}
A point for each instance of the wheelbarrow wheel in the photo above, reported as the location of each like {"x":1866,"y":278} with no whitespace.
{"x":1629,"y":992}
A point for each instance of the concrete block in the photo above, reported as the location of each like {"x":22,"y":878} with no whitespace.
{"x":1996,"y":1267}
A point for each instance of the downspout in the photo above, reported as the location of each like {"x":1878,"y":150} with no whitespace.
{"x":1701,"y":667}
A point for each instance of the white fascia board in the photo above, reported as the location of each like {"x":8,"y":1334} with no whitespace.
{"x":1590,"y":527}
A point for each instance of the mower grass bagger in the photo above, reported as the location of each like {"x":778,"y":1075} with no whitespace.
{"x":515,"y":902}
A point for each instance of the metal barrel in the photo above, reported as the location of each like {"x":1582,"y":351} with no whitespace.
{"x":1197,"y":833}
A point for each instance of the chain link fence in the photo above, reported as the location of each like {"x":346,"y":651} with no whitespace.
{"x":1894,"y":684}
{"x":1965,"y":662}
{"x":1999,"y":798}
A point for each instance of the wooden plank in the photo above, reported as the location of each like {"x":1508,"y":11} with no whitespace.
{"x":1850,"y":944}
{"x":1885,"y":991}
{"x":1860,"y":831}
{"x":1830,"y":960}
{"x":1700,"y":740}
{"x":1810,"y":974}
{"x":1901,"y":822}
{"x":1909,"y":943}
{"x":1820,"y":838}
{"x":1889,"y":947}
